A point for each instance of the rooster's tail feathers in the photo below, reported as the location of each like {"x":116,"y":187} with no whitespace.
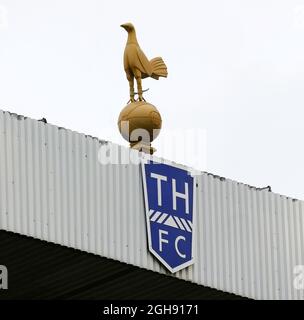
{"x":159,"y":69}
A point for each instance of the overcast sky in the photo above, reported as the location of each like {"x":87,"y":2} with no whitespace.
{"x":236,"y":73}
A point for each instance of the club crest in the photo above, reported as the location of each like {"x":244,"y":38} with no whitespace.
{"x":169,"y":201}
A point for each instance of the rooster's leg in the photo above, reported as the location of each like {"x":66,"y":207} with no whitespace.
{"x":131,"y":84}
{"x":139,"y":89}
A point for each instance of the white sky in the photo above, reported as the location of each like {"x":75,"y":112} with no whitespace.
{"x":236,"y":70}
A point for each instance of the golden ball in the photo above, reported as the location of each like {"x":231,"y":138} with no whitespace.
{"x":139,"y":121}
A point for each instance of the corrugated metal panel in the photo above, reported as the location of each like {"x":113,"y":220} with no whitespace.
{"x":52,"y":187}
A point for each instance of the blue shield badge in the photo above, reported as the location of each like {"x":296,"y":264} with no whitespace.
{"x":169,"y":200}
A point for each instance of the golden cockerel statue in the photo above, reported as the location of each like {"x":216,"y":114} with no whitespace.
{"x":137,"y":65}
